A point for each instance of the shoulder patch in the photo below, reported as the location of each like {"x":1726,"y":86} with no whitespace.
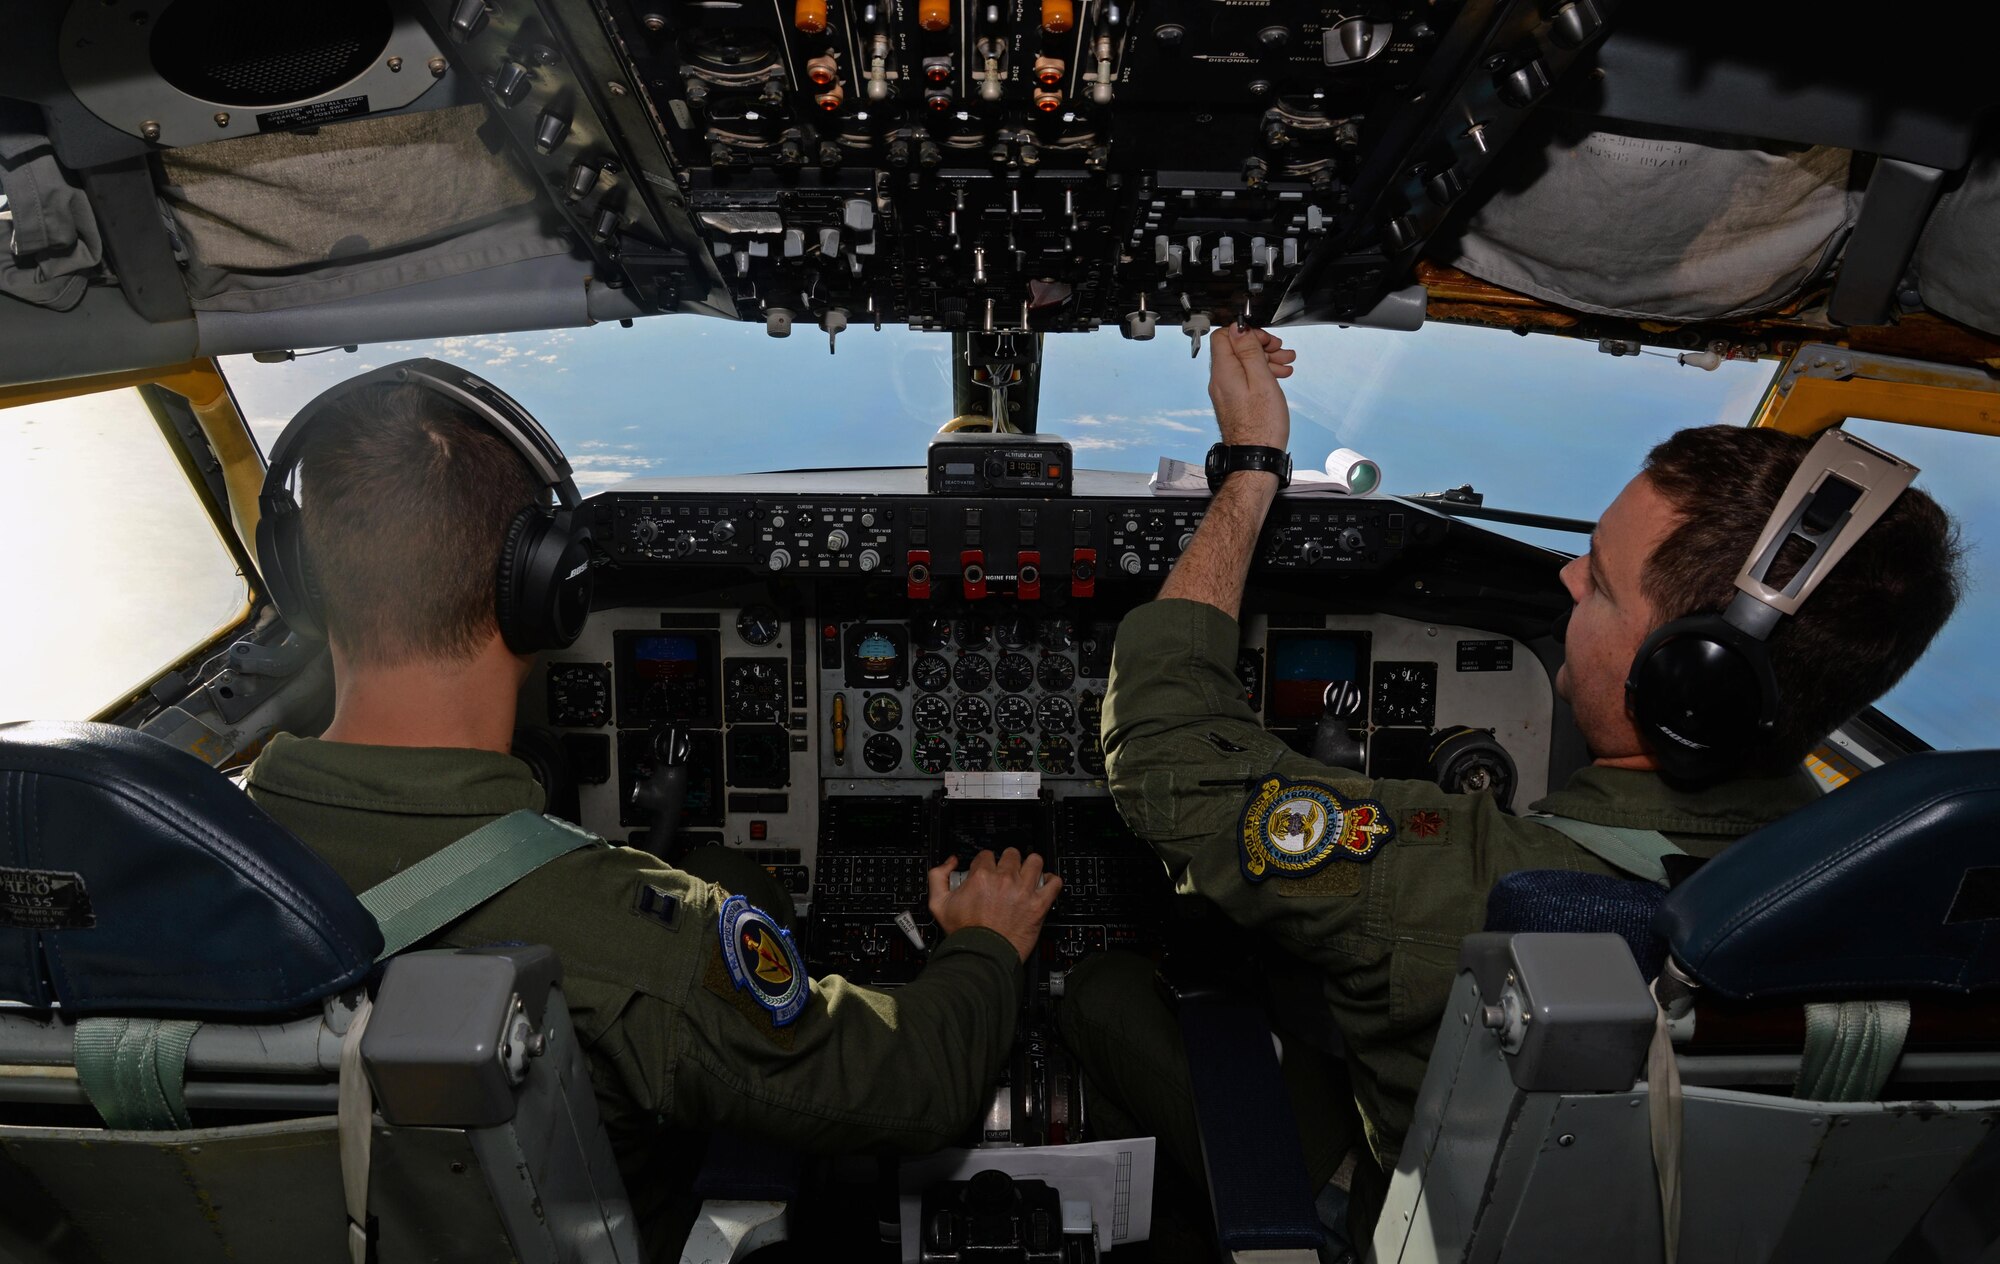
{"x":1296,"y":828}
{"x":762,"y":960}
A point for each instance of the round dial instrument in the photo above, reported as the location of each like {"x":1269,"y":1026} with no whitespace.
{"x":971,"y":673}
{"x":931,"y":672}
{"x":1013,"y":714}
{"x":975,"y":753}
{"x":1015,"y":632}
{"x":1014,"y":672}
{"x":972,"y":634}
{"x":930,"y":632}
{"x":883,"y":711}
{"x":882,"y":752}
{"x":579,"y":695}
{"x":1016,"y":754}
{"x":932,"y":713}
{"x":1056,"y":673}
{"x":758,"y":625}
{"x":932,"y":754}
{"x":972,"y":715}
{"x":1090,"y":758}
{"x":1055,"y":714}
{"x":1090,"y":714}
{"x":1058,"y":635}
{"x":1405,"y":693}
{"x":1057,"y":755}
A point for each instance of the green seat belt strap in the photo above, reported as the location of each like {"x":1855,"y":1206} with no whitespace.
{"x":450,"y":883}
{"x":1633,"y":851}
{"x":132,"y":1070}
{"x":1851,"y":1047}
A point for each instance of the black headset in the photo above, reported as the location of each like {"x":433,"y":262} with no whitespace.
{"x":542,"y":580}
{"x":1702,"y":690}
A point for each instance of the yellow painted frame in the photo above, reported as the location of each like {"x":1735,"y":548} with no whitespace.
{"x":1820,"y":386}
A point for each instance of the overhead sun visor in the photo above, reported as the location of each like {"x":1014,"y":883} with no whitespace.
{"x":296,"y":218}
{"x":1958,"y":258}
{"x":1659,"y":228}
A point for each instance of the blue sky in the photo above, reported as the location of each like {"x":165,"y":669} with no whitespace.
{"x":1539,"y":423}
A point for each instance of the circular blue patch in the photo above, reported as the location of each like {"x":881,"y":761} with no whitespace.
{"x":762,"y":959}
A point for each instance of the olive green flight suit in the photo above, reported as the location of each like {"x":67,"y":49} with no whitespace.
{"x":1189,"y":765}
{"x":672,"y":1043}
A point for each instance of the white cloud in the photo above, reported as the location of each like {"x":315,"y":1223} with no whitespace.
{"x":1095,"y":443}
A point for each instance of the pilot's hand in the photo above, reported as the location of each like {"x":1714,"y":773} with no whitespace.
{"x":1008,"y":895}
{"x":1243,"y":373}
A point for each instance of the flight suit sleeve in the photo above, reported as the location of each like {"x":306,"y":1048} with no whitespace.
{"x":819,"y":1064}
{"x":1385,"y":878}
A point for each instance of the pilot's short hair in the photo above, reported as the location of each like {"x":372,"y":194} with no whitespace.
{"x":1868,"y":621}
{"x":406,"y":498}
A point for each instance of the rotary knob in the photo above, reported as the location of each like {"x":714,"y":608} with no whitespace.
{"x":645,"y":531}
{"x":1352,"y":541}
{"x":1187,"y":538}
{"x":1130,"y":563}
{"x":869,"y":559}
{"x":684,"y":544}
{"x":836,"y":540}
{"x":1311,"y":551}
{"x":722,"y":531}
{"x":780,"y":559}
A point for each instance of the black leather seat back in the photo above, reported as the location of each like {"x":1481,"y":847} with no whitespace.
{"x":136,"y":879}
{"x":1889,"y":885}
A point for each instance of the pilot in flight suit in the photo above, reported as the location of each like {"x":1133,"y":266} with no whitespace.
{"x":673,"y":1041}
{"x":1373,"y":884}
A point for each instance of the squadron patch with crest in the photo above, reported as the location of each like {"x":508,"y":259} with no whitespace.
{"x":1295,"y":828}
{"x":762,"y":960}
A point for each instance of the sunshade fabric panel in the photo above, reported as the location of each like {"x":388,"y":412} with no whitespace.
{"x":293,"y":218}
{"x":1659,"y":228}
{"x":1958,"y":259}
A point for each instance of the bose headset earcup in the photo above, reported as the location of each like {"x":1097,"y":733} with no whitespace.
{"x":287,"y":571}
{"x":542,"y":589}
{"x":1702,"y":695}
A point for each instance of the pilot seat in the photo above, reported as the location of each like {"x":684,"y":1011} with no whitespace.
{"x":191,"y":1068}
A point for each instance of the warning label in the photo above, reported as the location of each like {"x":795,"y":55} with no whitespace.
{"x":44,"y":899}
{"x":311,"y":115}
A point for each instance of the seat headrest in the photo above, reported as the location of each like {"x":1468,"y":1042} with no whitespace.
{"x":134,"y":877}
{"x":1888,"y":885}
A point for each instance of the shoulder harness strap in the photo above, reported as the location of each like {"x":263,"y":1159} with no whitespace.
{"x":1633,"y":851}
{"x":448,"y":884}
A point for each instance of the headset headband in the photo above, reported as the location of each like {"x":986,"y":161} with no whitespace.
{"x":478,"y":396}
{"x":1842,"y":488}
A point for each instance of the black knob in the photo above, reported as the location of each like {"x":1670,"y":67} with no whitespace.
{"x":550,"y":130}
{"x":1274,"y":38}
{"x":1525,"y":86}
{"x":1352,"y":541}
{"x":511,"y":82}
{"x":1169,"y":34}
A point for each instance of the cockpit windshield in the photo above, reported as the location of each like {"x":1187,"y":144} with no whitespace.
{"x":1544,"y":425}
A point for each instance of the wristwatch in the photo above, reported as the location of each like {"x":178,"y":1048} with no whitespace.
{"x":1225,"y":459}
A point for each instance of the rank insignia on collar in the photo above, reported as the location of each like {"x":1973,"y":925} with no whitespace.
{"x":1425,"y":824}
{"x":1295,"y":828}
{"x":762,"y":960}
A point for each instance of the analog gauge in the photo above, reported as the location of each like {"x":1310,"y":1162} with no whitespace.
{"x":932,"y":713}
{"x":971,"y":673}
{"x":930,"y":632}
{"x":1016,"y":754}
{"x":1056,"y":673}
{"x":1015,"y":632}
{"x":932,"y":754}
{"x":972,"y":634}
{"x":1013,"y":714}
{"x":1058,"y":635}
{"x":1057,"y":755}
{"x":931,"y":673}
{"x":753,"y":691}
{"x":1055,"y":714}
{"x":1090,"y":758}
{"x":975,"y":753}
{"x":1090,"y":714}
{"x":972,"y":715}
{"x":1014,"y":672}
{"x":882,"y":752}
{"x":579,"y":695}
{"x":758,"y":625}
{"x":883,"y":711}
{"x":1406,"y":693}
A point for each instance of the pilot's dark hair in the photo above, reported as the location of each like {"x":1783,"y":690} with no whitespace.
{"x":1868,"y":621}
{"x":405,"y":498}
